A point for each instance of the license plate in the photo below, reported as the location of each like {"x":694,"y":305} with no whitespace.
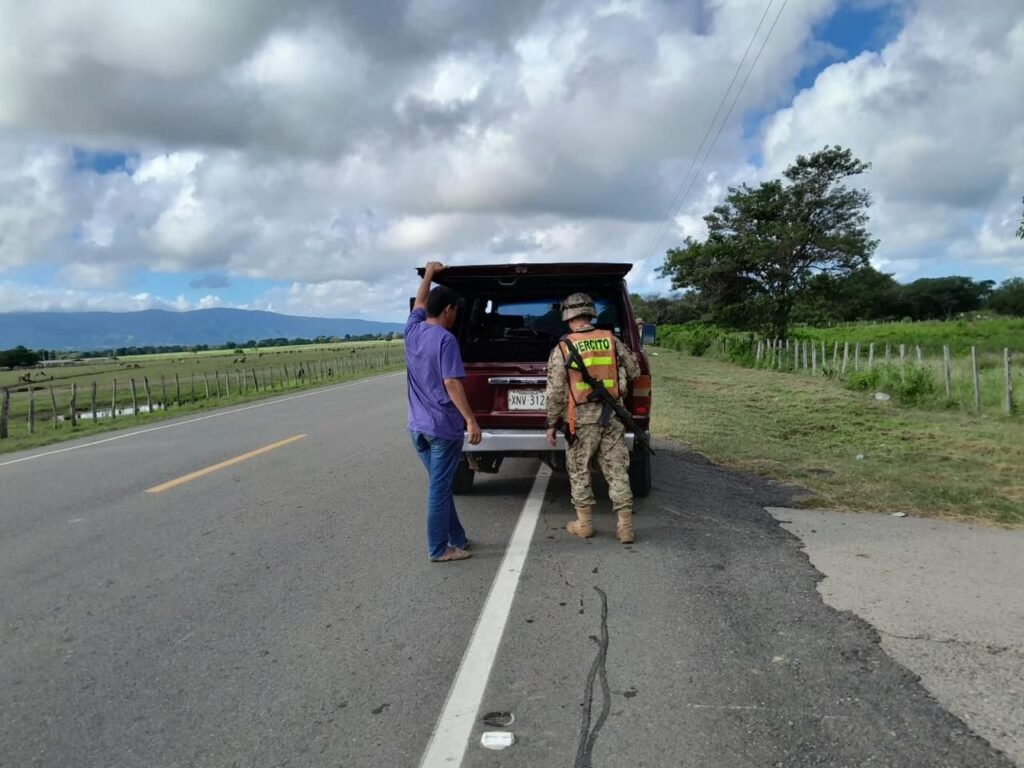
{"x":526,"y":399}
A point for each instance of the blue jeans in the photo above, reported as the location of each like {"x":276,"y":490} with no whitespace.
{"x":441,"y":459}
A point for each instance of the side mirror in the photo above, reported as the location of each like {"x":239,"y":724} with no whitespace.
{"x":649,"y":335}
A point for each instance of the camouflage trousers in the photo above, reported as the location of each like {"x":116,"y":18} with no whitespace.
{"x":608,"y":446}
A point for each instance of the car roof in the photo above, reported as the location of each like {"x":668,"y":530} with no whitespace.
{"x":556,"y":276}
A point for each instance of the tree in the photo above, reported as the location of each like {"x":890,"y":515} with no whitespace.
{"x":940,"y":298}
{"x":18,"y":357}
{"x":864,"y":294}
{"x":1008,"y":298}
{"x":765,"y":243}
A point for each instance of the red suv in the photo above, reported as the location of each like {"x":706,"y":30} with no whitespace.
{"x":509,"y":320}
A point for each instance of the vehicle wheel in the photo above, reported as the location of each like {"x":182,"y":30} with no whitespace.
{"x":464,"y":476}
{"x":640,"y":473}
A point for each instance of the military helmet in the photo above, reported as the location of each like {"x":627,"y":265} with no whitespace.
{"x":578,"y":305}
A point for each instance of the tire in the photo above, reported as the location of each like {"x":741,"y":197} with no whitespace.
{"x":464,"y":476}
{"x":640,"y":473}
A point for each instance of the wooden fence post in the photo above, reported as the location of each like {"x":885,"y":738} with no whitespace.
{"x":805,"y":354}
{"x":206,"y":381}
{"x":919,"y":358}
{"x":53,"y":404}
{"x":149,"y":395}
{"x":177,"y":389}
{"x":216,"y":377}
{"x":238,"y":382}
{"x":271,"y":377}
{"x":5,"y":409}
{"x":948,"y":372}
{"x":31,"y":410}
{"x":113,"y":399}
{"x":835,"y":356}
{"x":796,"y":355}
{"x":193,"y":387}
{"x":846,"y":356}
{"x":888,"y":351}
{"x":1008,"y":392}
{"x":93,"y":403}
{"x":227,"y":383}
{"x":856,"y":357}
{"x":255,"y":383}
{"x":871,"y":355}
{"x":74,"y":403}
{"x":814,"y":360}
{"x":135,"y":397}
{"x":903,"y":355}
{"x":977,"y":382}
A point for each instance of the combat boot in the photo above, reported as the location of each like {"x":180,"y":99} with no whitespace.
{"x":624,"y":529}
{"x":583,"y":525}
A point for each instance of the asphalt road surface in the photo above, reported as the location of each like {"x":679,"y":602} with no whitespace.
{"x":163,"y":607}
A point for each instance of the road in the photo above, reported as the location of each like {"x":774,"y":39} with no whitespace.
{"x":281,"y":611}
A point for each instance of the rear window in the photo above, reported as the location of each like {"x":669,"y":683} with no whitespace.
{"x":520,"y":330}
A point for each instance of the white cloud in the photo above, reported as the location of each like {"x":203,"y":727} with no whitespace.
{"x":933,"y":114}
{"x":334,"y":146}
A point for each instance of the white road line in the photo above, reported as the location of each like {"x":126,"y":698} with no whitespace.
{"x":448,"y":744}
{"x":263,"y":404}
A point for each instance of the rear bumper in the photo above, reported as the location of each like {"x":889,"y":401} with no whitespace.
{"x":520,"y":441}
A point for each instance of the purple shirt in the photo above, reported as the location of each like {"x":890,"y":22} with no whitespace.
{"x":431,"y":356}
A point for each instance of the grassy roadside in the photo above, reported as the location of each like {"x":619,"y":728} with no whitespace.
{"x":810,"y":433}
{"x":47,"y":434}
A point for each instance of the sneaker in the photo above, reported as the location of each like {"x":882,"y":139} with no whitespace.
{"x":453,"y":553}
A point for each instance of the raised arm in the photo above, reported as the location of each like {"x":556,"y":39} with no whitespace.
{"x":431,"y":269}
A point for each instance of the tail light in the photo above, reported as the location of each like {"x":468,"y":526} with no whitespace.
{"x":642,"y":396}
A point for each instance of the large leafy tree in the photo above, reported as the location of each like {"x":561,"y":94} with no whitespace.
{"x":1008,"y":298}
{"x":941,"y":298}
{"x":765,"y":243}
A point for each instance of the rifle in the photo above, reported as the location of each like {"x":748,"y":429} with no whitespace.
{"x":609,"y":404}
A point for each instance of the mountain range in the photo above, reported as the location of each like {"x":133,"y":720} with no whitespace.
{"x":84,"y":331}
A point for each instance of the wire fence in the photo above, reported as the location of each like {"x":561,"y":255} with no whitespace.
{"x":27,"y":408}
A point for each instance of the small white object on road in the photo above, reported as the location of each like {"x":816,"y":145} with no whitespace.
{"x":898,"y":514}
{"x":497,"y":739}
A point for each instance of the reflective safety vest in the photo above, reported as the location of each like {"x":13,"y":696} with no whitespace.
{"x":597,"y":348}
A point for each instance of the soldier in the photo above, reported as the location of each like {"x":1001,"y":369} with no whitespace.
{"x":609,"y":360}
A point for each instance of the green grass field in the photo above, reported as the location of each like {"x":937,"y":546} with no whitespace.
{"x":185,"y":382}
{"x":810,"y":432}
{"x":989,"y":335}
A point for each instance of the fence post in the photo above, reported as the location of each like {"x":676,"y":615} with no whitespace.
{"x":238,"y":382}
{"x":177,"y":389}
{"x":796,"y":356}
{"x":977,"y":382}
{"x":149,"y":395}
{"x":53,"y":403}
{"x":1008,"y":392}
{"x":74,"y":403}
{"x":255,"y":383}
{"x":871,"y":355}
{"x":903,"y":355}
{"x":227,"y":383}
{"x":135,"y":397}
{"x":5,"y":408}
{"x":856,"y":357}
{"x":113,"y":399}
{"x":206,"y":381}
{"x":216,"y":377}
{"x":846,"y":356}
{"x":805,"y":355}
{"x":888,"y":351}
{"x":271,"y":377}
{"x":31,"y":410}
{"x":814,"y":359}
{"x":835,"y":356}
{"x":92,"y":403}
{"x":193,"y":387}
{"x":917,"y":347}
{"x":948,"y":372}
{"x":163,"y":392}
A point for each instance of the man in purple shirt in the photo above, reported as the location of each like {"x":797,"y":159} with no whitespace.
{"x":438,"y":410}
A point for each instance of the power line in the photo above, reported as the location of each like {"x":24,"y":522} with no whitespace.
{"x":674,"y":208}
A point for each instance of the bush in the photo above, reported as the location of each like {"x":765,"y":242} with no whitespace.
{"x":910,"y":384}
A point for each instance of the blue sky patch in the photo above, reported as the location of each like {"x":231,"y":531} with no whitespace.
{"x":105,"y":162}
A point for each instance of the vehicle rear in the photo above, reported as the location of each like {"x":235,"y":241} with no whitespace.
{"x":508,"y":322}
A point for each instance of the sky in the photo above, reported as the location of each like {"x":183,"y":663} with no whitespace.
{"x":303,"y":157}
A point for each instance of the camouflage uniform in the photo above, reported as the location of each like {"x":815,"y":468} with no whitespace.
{"x":607,"y":444}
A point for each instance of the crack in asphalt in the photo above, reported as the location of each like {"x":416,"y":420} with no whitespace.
{"x":598,"y":671}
